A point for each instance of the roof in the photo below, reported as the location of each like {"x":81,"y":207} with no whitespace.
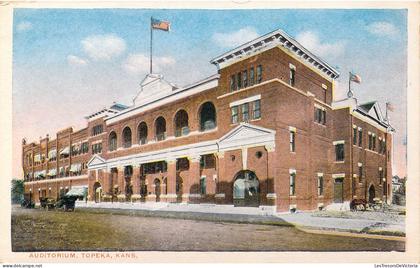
{"x":373,"y":111}
{"x":270,"y":40}
{"x":113,"y":109}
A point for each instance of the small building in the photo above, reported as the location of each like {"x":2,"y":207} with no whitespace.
{"x":263,"y":132}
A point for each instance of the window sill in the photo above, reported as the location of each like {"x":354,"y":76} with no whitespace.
{"x":339,"y":162}
{"x":320,"y":124}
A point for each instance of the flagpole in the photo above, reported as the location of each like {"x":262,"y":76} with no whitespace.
{"x":349,"y":93}
{"x":151,"y":45}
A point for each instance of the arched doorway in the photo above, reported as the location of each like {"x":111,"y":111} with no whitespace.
{"x":97,"y":189}
{"x":157,"y":189}
{"x":371,"y":193}
{"x":246,"y":189}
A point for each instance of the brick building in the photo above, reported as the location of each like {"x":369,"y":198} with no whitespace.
{"x":263,"y":131}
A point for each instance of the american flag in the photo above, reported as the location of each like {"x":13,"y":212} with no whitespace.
{"x":355,"y":78}
{"x":161,"y":25}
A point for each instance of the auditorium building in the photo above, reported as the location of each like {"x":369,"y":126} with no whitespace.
{"x":263,"y":132}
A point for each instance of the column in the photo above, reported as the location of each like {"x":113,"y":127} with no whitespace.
{"x":220,"y":191}
{"x":271,"y":190}
{"x":171,"y":180}
{"x":135,"y":180}
{"x":190,"y":186}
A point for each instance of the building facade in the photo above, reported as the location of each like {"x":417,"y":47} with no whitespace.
{"x":264,"y":132}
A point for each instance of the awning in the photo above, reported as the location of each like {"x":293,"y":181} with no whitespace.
{"x":65,"y":151}
{"x":37,"y":158}
{"x":76,"y":167}
{"x":40,"y":173}
{"x":52,"y":172}
{"x":77,"y":191}
{"x":52,"y":154}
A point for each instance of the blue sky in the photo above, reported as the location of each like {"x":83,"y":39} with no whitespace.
{"x":84,"y":59}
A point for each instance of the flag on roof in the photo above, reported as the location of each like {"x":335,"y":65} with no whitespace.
{"x":389,"y":106}
{"x":355,"y":78}
{"x":161,"y":25}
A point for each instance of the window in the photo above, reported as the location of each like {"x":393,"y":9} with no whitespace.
{"x":232,"y":83}
{"x":292,"y":77}
{"x":96,"y":130}
{"x":251,"y":76}
{"x":320,"y":115}
{"x":339,"y":152}
{"x":234,"y":111}
{"x":320,"y":184}
{"x":370,"y":141}
{"x":259,"y":74}
{"x":360,"y":137}
{"x":292,"y":137}
{"x":384,"y":147}
{"x":182,"y":164}
{"x":245,"y":112}
{"x":85,"y":147}
{"x":292,"y":183}
{"x":112,"y":146}
{"x":203,"y":185}
{"x":127,"y":141}
{"x":360,"y":173}
{"x":381,"y":174}
{"x":207,"y":161}
{"x":373,"y":142}
{"x":324,"y":93}
{"x":207,"y":116}
{"x":97,"y":148}
{"x":142,"y":133}
{"x":155,"y":167}
{"x":181,"y":123}
{"x":256,"y":113}
{"x":75,"y":149}
{"x":239,"y":80}
{"x":354,"y":135}
{"x":160,"y":128}
{"x":245,"y":78}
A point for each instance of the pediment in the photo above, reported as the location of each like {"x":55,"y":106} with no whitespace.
{"x":376,"y":113}
{"x":96,"y":161}
{"x":247,"y":135}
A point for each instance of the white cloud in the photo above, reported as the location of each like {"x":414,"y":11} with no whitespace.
{"x":24,"y":26}
{"x":382,"y":28}
{"x":139,"y":63}
{"x":235,"y":38}
{"x":76,"y":61}
{"x":311,"y":41}
{"x":103,"y":47}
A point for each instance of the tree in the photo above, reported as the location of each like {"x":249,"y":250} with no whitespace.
{"x":17,"y":191}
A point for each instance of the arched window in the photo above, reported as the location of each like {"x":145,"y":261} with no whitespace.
{"x":126,"y":137}
{"x":207,"y":116}
{"x":142,"y":133}
{"x":112,"y":144}
{"x":181,"y":123}
{"x":160,"y":126}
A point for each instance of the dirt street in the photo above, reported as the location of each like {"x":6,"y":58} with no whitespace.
{"x":39,"y":230}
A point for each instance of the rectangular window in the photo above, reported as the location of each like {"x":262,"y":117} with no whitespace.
{"x":259,"y":74}
{"x":354,"y":136}
{"x":232,"y":83}
{"x":292,"y":183}
{"x":85,"y":148}
{"x":360,"y":174}
{"x":370,"y":141}
{"x":245,"y":78}
{"x":98,"y":129}
{"x":360,"y":137}
{"x":320,"y":185}
{"x":239,"y":80}
{"x":97,"y":148}
{"x":292,"y":77}
{"x":245,"y":112}
{"x":256,"y":113}
{"x":251,"y":76}
{"x":384,"y":150}
{"x":203,"y":185}
{"x":373,"y":143}
{"x":292,"y":137}
{"x":324,"y":93}
{"x":234,"y":111}
{"x":320,"y":116}
{"x":207,"y":161}
{"x":339,"y":152}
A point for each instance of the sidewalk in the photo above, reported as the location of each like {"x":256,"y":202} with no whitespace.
{"x":260,"y":215}
{"x":370,"y":226}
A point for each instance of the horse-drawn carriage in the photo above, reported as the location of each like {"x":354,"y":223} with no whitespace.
{"x":375,"y":204}
{"x":66,"y":202}
{"x":27,"y":201}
